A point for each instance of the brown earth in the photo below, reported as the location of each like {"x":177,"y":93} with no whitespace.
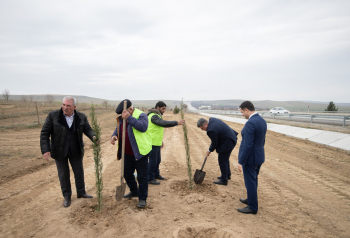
{"x":304,"y":190}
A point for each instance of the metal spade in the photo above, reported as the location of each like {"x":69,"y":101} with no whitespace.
{"x":199,"y":174}
{"x":120,"y":191}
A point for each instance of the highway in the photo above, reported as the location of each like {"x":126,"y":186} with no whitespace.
{"x":321,"y":118}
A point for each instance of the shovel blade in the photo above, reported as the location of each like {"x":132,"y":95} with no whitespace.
{"x":120,"y":191}
{"x":198,"y":176}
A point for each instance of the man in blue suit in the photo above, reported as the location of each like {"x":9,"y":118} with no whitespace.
{"x":251,"y":154}
{"x":223,"y":140}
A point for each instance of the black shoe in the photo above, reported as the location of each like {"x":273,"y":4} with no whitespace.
{"x":130,"y":195}
{"x":219,"y":182}
{"x":247,"y":210}
{"x":245,"y":201}
{"x":229,"y":178}
{"x":85,"y":196}
{"x":160,"y":177}
{"x":141,"y":204}
{"x":66,"y":202}
{"x":154,"y":182}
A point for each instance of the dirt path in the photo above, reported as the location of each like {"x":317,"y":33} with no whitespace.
{"x":304,"y":190}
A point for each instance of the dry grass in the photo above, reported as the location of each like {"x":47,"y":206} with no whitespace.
{"x":22,"y":115}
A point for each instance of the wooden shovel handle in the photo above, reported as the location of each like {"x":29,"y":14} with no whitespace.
{"x":123,"y":146}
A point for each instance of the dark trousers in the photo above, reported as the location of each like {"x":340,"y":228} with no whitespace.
{"x":250,"y":173}
{"x":224,"y":163}
{"x":154,"y":161}
{"x":141,"y":166}
{"x":64,"y":174}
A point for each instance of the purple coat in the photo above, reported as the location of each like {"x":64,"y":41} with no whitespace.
{"x":140,"y":124}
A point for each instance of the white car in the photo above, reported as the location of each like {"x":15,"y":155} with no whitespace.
{"x":279,"y":110}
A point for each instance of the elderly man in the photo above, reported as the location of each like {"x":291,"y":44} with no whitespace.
{"x":251,"y":155}
{"x":66,"y":127}
{"x":138,"y":144}
{"x":223,"y":140}
{"x":156,"y":129}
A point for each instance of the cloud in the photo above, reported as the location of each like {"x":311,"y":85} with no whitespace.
{"x":270,"y":50}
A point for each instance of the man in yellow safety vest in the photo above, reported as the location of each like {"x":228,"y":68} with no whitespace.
{"x":138,"y":145}
{"x":156,"y":126}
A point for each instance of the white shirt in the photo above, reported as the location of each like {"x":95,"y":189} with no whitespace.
{"x":252,"y":115}
{"x":69,"y":120}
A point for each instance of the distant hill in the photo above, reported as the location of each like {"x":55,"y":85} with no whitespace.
{"x":229,"y":104}
{"x":89,"y":100}
{"x":340,"y":104}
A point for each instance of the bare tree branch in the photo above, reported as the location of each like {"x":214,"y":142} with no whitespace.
{"x":105,"y":103}
{"x":24,"y":98}
{"x":49,"y":98}
{"x":6,"y":94}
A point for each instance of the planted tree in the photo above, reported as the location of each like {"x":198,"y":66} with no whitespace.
{"x":97,"y":158}
{"x":331,"y":107}
{"x":187,"y":149}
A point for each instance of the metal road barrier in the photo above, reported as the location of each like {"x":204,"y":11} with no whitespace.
{"x":312,"y":118}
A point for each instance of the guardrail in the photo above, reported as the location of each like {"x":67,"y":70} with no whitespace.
{"x":338,"y":118}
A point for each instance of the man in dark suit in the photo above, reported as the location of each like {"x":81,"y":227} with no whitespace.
{"x":66,"y":127}
{"x":223,"y":140}
{"x":251,"y":154}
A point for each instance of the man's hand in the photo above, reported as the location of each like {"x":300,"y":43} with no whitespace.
{"x":94,"y":138}
{"x":113,"y":140}
{"x":125,"y":114}
{"x":47,"y":156}
{"x":181,"y":122}
{"x":239,"y":167}
{"x":162,"y":145}
{"x":207,"y":153}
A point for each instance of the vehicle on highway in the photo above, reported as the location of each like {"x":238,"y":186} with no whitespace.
{"x":205,"y":108}
{"x":279,"y":110}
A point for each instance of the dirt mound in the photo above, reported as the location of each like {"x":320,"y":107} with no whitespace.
{"x":122,"y":217}
{"x":182,"y":188}
{"x":201,"y":232}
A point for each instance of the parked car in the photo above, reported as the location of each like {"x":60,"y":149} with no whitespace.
{"x":279,"y":110}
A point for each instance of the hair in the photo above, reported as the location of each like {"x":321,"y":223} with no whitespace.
{"x":201,"y":122}
{"x":70,"y":98}
{"x":160,"y":104}
{"x":247,"y":104}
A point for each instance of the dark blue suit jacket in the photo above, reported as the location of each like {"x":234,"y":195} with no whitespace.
{"x":253,"y":133}
{"x":220,"y":134}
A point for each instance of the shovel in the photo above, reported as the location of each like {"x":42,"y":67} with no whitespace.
{"x":120,"y":191}
{"x":199,"y":174}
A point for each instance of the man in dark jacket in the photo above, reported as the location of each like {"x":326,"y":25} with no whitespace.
{"x":223,"y":140}
{"x":138,"y":144}
{"x":251,"y":154}
{"x":66,"y":127}
{"x":156,"y":129}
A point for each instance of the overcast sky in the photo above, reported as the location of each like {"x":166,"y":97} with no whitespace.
{"x":198,"y":50}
